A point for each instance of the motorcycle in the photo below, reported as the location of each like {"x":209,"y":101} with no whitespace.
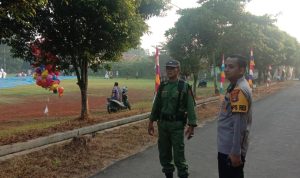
{"x":202,"y":83}
{"x":114,"y":105}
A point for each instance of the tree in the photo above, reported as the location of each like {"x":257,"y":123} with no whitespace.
{"x":195,"y":38}
{"x":84,"y":34}
{"x":224,"y":27}
{"x":245,"y":34}
{"x":14,"y":15}
{"x":188,"y":41}
{"x":10,"y":64}
{"x":271,"y":45}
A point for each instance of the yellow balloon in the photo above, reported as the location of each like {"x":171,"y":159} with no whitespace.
{"x":45,"y":74}
{"x":51,"y":88}
{"x":55,"y":86}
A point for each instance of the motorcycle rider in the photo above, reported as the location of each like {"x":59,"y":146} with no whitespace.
{"x":115,"y":94}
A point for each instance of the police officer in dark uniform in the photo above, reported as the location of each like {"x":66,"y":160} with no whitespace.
{"x":173,"y":109}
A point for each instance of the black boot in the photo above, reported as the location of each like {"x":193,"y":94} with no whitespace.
{"x":169,"y":175}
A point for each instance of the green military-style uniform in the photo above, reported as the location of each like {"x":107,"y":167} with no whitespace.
{"x":173,"y":111}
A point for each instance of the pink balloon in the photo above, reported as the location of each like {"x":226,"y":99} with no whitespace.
{"x":39,"y":78}
{"x":49,"y":78}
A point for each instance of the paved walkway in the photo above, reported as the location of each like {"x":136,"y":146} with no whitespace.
{"x":274,"y":149}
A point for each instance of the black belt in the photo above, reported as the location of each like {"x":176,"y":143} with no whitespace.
{"x":172,"y":117}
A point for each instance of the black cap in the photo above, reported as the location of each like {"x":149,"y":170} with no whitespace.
{"x":173,"y":63}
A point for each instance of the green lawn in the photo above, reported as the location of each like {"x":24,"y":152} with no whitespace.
{"x":94,"y":83}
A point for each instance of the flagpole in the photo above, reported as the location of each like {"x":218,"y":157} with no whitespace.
{"x":157,"y":72}
{"x":251,"y":69}
{"x":222,"y":75}
{"x":215,"y":74}
{"x":157,"y":69}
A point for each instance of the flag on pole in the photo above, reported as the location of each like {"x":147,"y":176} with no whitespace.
{"x":251,"y":69}
{"x":222,"y":77}
{"x":157,"y":70}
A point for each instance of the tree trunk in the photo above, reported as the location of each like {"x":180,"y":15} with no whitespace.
{"x":195,"y":76}
{"x":259,"y":76}
{"x":83,"y":85}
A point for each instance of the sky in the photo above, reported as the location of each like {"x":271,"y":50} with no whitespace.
{"x":288,"y":12}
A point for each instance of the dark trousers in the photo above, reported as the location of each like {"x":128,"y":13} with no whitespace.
{"x":226,"y":170}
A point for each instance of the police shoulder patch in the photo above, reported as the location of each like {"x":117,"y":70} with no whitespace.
{"x":238,"y":101}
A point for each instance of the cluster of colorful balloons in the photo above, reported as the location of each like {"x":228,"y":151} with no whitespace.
{"x":46,"y":75}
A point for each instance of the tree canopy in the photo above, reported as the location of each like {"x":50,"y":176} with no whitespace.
{"x":14,"y":15}
{"x":224,"y":27}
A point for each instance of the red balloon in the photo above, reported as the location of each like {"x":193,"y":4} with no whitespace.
{"x":60,"y":91}
{"x":49,"y":67}
{"x":39,"y":82}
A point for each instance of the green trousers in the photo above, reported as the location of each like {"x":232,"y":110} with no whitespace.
{"x":171,"y":144}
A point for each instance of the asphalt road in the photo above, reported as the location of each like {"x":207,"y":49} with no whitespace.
{"x":274,"y":150}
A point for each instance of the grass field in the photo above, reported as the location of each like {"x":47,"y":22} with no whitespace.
{"x":12,"y":95}
{"x":93,"y":83}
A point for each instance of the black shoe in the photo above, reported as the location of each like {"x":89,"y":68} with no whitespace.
{"x":169,"y":175}
{"x":185,"y":176}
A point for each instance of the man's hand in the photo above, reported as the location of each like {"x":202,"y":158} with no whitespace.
{"x":235,"y":160}
{"x":150,"y":128}
{"x":189,"y":132}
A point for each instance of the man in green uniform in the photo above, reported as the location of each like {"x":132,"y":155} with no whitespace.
{"x":173,"y":109}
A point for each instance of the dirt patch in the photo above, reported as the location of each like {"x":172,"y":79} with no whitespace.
{"x":68,"y":125}
{"x":81,"y":157}
{"x":84,"y":156}
{"x":31,"y":108}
